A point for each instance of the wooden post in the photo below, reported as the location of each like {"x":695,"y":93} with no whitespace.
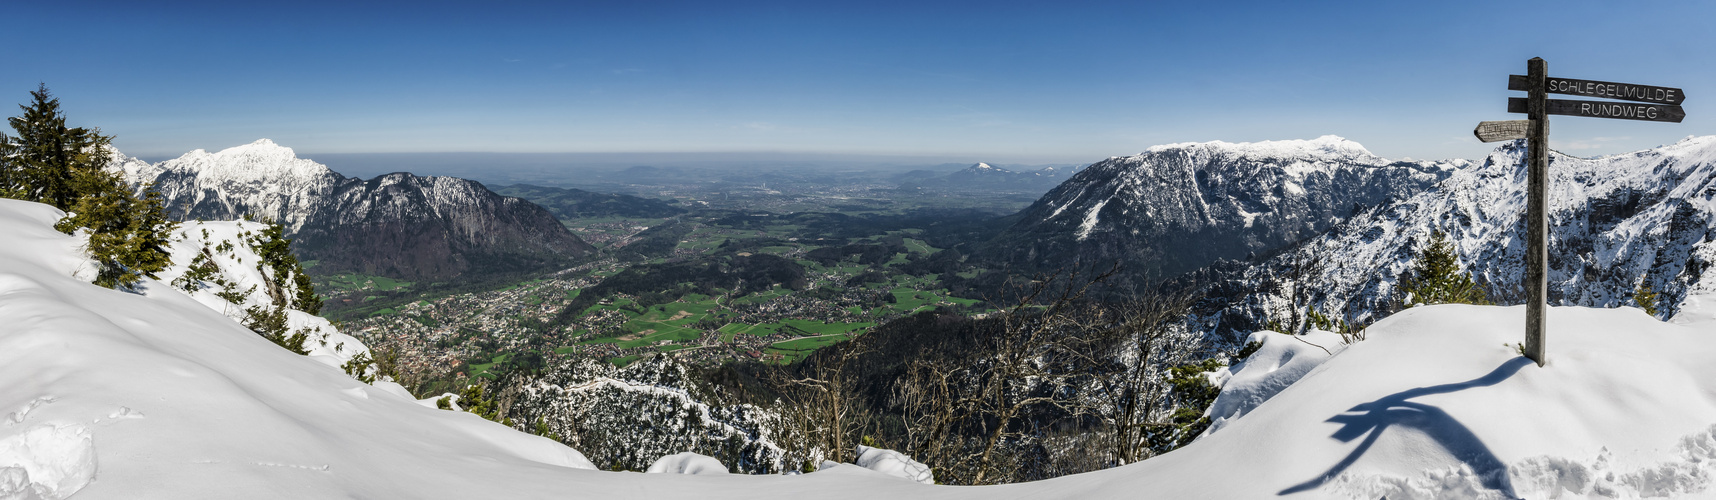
{"x":1536,"y":211}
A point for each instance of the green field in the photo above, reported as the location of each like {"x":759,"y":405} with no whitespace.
{"x":482,"y":369}
{"x":793,"y":350}
{"x":822,"y":328}
{"x":351,"y":282}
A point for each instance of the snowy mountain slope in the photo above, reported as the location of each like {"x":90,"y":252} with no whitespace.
{"x":397,"y":224}
{"x":629,"y":417}
{"x":1179,"y":207}
{"x":1614,"y":221}
{"x":108,"y":394}
{"x":237,"y":273}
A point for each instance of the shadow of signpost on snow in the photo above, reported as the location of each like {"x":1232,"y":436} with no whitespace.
{"x":1394,"y":410}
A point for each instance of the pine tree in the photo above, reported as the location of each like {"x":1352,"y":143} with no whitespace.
{"x":1646,"y":298}
{"x":67,"y":168}
{"x":1435,"y":277}
{"x":46,"y":161}
{"x":288,"y":274}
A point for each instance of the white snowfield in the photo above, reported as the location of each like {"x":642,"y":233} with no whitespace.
{"x":110,"y":394}
{"x":687,"y":463}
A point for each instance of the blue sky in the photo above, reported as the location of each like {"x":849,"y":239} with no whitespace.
{"x":993,"y":81}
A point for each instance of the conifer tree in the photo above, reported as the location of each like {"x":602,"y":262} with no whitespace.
{"x":127,"y":235}
{"x":1646,"y":298}
{"x":51,"y":163}
{"x":1435,"y":277}
{"x":46,"y":161}
{"x":288,"y":276}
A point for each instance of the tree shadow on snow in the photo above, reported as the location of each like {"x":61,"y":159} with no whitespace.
{"x":1376,"y":416}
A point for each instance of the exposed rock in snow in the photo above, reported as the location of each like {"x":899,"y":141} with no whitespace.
{"x":687,"y":463}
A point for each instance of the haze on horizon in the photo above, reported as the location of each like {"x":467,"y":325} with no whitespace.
{"x":1007,"y":82}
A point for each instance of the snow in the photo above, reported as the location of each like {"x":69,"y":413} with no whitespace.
{"x":1090,"y":219}
{"x":894,"y":464}
{"x":110,"y":394}
{"x":687,"y":463}
{"x":1279,"y":361}
{"x":48,"y":461}
{"x":227,"y":245}
{"x":1325,"y":145}
{"x":1615,"y":222}
{"x":260,"y":178}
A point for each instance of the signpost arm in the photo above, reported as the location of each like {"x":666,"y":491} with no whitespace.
{"x":1536,"y":211}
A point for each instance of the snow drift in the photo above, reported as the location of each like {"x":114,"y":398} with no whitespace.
{"x":107,"y":394}
{"x":687,"y":463}
{"x":1280,"y":360}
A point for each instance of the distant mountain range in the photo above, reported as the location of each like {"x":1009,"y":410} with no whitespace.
{"x":567,"y":203}
{"x":986,"y":177}
{"x":1180,"y":207}
{"x":398,"y":225}
{"x":1614,"y":222}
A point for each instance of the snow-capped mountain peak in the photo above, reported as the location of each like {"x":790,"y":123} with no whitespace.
{"x":258,"y":161}
{"x":1236,"y":198}
{"x":1328,"y":145}
{"x":400,"y":225}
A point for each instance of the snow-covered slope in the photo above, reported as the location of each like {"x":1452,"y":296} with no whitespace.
{"x":235,"y":271}
{"x":630,"y":417}
{"x":1179,"y":207}
{"x":397,"y":224}
{"x":109,"y":394}
{"x":1615,"y":222}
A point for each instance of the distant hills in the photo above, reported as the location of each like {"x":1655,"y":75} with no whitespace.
{"x":566,"y":203}
{"x":986,"y":177}
{"x":398,"y":225}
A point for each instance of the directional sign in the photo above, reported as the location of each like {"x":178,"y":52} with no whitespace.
{"x":1502,"y":130}
{"x":1600,"y":109}
{"x":1661,"y":104}
{"x":1604,"y":90}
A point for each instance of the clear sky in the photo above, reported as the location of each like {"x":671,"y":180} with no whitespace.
{"x":1054,"y":81}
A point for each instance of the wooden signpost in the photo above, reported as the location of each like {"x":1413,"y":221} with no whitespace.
{"x":1662,"y":104}
{"x":1502,"y":131}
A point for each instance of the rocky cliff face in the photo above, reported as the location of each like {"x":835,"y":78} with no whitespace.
{"x":1179,"y":207}
{"x":1614,"y":222}
{"x":398,"y":225}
